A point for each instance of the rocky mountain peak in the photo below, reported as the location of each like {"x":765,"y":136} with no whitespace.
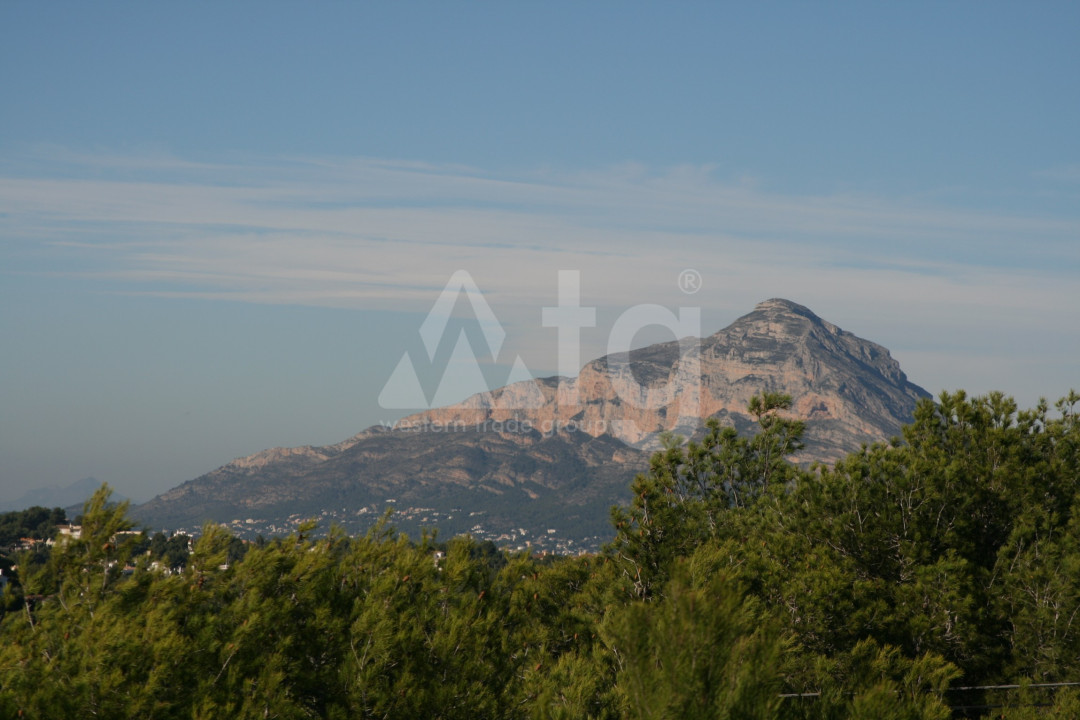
{"x":782,"y":319}
{"x":780,"y":305}
{"x":852,"y":389}
{"x":561,"y":448}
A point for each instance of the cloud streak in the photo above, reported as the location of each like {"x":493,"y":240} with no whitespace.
{"x":379,"y":234}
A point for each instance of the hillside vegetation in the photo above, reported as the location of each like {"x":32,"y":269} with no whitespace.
{"x":909,"y":580}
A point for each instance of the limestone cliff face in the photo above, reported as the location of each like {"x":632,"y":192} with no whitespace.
{"x":556,"y":451}
{"x":849,"y":390}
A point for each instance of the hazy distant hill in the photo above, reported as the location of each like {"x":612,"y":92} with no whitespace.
{"x":71,"y":496}
{"x":520,"y":462}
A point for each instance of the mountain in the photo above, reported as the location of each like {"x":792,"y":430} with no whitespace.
{"x":541,"y":461}
{"x":71,"y":497}
{"x":850,"y":390}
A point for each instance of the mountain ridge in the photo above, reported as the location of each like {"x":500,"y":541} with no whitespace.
{"x":70,"y":497}
{"x":731,"y":372}
{"x":531,"y":455}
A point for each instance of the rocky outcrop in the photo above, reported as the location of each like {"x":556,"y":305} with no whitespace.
{"x":849,"y":390}
{"x":556,"y":451}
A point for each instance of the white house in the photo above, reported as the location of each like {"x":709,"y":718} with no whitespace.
{"x":73,"y":532}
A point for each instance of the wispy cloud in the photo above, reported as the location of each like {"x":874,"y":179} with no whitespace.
{"x":329,"y":207}
{"x":380,"y":234}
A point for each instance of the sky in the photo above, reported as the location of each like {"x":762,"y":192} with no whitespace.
{"x":222,"y":225}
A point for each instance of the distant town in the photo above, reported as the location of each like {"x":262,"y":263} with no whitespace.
{"x":414,"y":521}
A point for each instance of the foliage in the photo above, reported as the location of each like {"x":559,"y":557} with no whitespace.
{"x":699,"y":652}
{"x":898,"y":583}
{"x":691,"y":491}
{"x":38,"y":523}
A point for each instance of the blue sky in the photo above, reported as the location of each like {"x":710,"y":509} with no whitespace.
{"x":221,"y":225}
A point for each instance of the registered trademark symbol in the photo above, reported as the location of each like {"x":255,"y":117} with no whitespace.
{"x":690,"y":281}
